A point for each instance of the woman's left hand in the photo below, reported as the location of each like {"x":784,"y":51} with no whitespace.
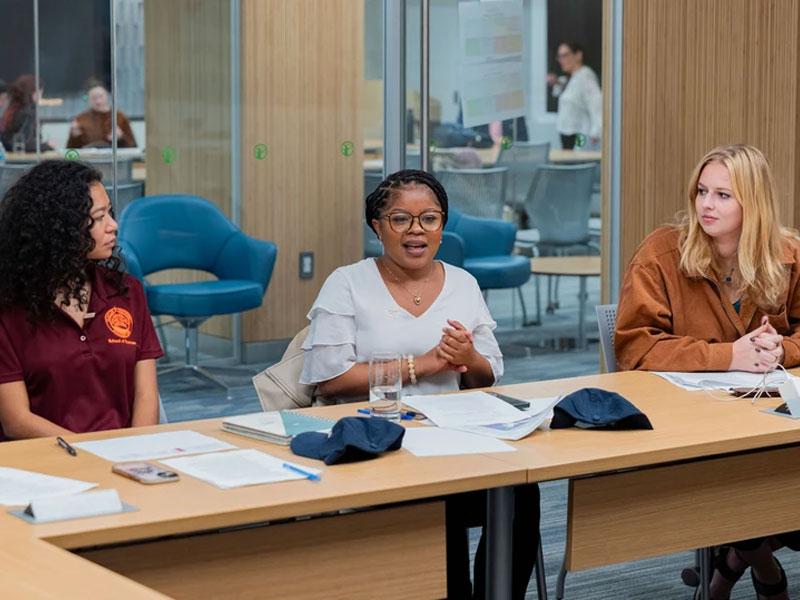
{"x":770,"y":341}
{"x":456,"y":345}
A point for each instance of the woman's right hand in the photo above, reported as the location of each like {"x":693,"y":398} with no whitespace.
{"x":432,"y":363}
{"x":750,"y":356}
{"x":551,"y":79}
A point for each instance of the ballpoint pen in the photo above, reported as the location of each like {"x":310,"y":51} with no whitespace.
{"x":306,"y":474}
{"x":66,"y":446}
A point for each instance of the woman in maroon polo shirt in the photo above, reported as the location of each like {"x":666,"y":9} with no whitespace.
{"x":77,"y":345}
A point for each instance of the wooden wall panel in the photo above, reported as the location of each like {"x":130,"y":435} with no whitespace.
{"x":696,"y":74}
{"x":188,"y":108}
{"x":302,"y":85}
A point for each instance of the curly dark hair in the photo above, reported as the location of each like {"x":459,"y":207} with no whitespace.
{"x":406,"y":178}
{"x":45,"y":238}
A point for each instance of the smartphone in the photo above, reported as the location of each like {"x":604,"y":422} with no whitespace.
{"x":515,"y":402}
{"x":145,"y":472}
{"x":746,"y":392}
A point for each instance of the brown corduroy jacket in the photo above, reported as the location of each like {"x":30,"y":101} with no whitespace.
{"x":667,"y":321}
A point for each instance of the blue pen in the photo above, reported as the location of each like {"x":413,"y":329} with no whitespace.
{"x":409,"y":416}
{"x":299,"y":471}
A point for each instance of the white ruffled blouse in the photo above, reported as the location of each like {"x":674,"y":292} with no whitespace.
{"x":355,"y":316}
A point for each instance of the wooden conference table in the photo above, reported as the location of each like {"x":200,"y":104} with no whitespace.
{"x":633,"y":494}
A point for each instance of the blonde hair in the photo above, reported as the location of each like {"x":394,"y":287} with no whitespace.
{"x":762,"y":273}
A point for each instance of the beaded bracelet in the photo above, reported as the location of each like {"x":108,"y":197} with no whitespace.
{"x":412,"y":375}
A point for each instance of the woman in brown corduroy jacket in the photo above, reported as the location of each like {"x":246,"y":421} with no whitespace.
{"x":719,"y":291}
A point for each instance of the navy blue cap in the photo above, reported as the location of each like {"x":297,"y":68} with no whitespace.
{"x":351,"y":439}
{"x":598,"y":408}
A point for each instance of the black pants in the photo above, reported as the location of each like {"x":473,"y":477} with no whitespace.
{"x":568,"y":141}
{"x":469,"y":510}
{"x":790,"y":539}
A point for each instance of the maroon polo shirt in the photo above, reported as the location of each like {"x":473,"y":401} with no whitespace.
{"x":81,"y":378}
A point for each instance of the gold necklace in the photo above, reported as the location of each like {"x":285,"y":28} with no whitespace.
{"x":417,"y":297}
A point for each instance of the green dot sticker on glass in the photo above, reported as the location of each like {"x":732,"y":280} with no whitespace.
{"x":72,"y":154}
{"x":348,"y":148}
{"x":168,"y":154}
{"x":506,"y":142}
{"x":260,"y":151}
{"x":580,"y":140}
{"x":432,"y":145}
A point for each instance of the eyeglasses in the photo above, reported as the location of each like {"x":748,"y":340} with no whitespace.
{"x":402,"y":222}
{"x":563,"y":54}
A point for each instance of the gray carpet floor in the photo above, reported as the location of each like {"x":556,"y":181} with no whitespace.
{"x":530,"y":355}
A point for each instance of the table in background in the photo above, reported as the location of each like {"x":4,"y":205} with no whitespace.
{"x":569,"y":266}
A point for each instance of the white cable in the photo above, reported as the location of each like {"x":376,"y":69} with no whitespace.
{"x":758,"y":391}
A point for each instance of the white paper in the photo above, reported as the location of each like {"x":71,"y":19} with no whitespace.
{"x":19,"y":488}
{"x":723,"y":380}
{"x":237,"y":469}
{"x":154,"y":445}
{"x":540,"y":409}
{"x":435,"y":441}
{"x":90,"y":504}
{"x":466,"y":408}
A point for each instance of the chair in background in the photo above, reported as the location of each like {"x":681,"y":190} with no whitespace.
{"x":188,"y":232}
{"x":606,"y":323}
{"x":452,"y":250}
{"x":10,"y":174}
{"x":372,"y":245}
{"x":106,"y":168}
{"x":126,"y":193}
{"x":558,"y":208}
{"x":162,"y":414}
{"x":488,"y":245}
{"x":522,"y":160}
{"x":475,"y":192}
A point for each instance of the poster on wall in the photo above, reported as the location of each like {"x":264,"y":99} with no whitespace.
{"x":491,"y":48}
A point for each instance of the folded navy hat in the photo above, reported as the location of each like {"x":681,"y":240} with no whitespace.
{"x":350,"y":440}
{"x":594,"y":407}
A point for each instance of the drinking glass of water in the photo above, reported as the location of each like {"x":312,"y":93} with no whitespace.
{"x":385,"y":385}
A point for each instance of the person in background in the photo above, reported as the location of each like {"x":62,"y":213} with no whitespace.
{"x":77,"y":345}
{"x":18,"y":123}
{"x":93,"y":127}
{"x":580,"y":101}
{"x":719,"y":291}
{"x":434,"y":316}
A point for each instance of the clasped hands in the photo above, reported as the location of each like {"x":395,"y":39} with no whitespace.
{"x":758,"y":351}
{"x":454,"y":352}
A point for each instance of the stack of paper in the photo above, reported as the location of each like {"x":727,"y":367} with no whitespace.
{"x":153,"y":445}
{"x":278,"y":426}
{"x":435,"y":441}
{"x":18,"y":487}
{"x":482,"y":413}
{"x":238,"y":468}
{"x":721,"y":380}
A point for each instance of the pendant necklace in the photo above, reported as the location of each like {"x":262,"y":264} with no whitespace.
{"x":417,"y":297}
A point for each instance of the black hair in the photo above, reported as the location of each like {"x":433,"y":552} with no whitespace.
{"x":573,"y":47}
{"x":4,"y":87}
{"x":400,"y":180}
{"x":45,"y":223}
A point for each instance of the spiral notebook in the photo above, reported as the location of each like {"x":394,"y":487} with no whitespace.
{"x":278,"y":426}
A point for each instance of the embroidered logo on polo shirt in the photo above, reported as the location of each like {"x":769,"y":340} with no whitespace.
{"x":120,"y":322}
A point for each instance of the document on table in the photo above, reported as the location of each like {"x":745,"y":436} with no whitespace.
{"x":237,"y":468}
{"x":18,"y":487}
{"x":533,"y":417}
{"x":435,"y":441}
{"x":723,"y":380}
{"x":153,"y":445}
{"x":464,"y":409}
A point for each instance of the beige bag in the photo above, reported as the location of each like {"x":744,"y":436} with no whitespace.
{"x":278,"y":387}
